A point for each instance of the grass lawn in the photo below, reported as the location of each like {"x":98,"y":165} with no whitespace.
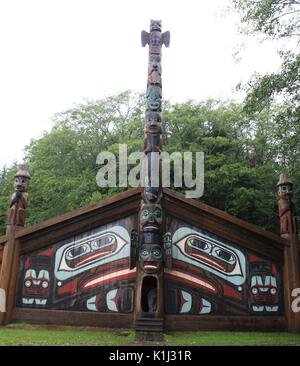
{"x":231,"y":338}
{"x":28,"y":334}
{"x":38,"y":335}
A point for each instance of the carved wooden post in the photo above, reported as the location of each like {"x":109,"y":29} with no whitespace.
{"x":288,"y":230}
{"x":149,"y":297}
{"x":9,"y":267}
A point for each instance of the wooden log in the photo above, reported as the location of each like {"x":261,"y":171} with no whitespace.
{"x":289,"y":230}
{"x":6,"y":269}
{"x":291,"y":281}
{"x":14,"y":275}
{"x":225,"y":323}
{"x":78,"y":318}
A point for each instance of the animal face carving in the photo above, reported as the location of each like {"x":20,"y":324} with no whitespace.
{"x":155,"y":41}
{"x":153,"y":101}
{"x":36,"y":287}
{"x":154,"y":70}
{"x":264,"y":294}
{"x":155,"y":25}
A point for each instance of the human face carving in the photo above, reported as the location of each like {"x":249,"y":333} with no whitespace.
{"x":285,"y":191}
{"x":21,"y":184}
{"x":151,"y":217}
{"x":150,"y":257}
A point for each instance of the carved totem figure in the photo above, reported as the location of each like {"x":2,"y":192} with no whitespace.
{"x":19,"y":199}
{"x":150,"y":257}
{"x":151,"y":217}
{"x":289,"y":231}
{"x":153,"y":122}
{"x":150,"y":253}
{"x":154,"y":70}
{"x":286,"y":207}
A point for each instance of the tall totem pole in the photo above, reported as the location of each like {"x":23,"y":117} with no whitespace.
{"x":289,"y":231}
{"x":149,"y":296}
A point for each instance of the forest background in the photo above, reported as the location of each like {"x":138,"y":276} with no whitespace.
{"x":246,"y":145}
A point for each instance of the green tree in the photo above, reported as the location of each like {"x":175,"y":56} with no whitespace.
{"x":277,"y":93}
{"x":63,"y":161}
{"x":274,"y":18}
{"x":241,"y":159}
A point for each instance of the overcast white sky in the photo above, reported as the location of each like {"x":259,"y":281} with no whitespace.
{"x":55,"y":53}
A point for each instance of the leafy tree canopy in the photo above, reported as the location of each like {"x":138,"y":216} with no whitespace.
{"x":242,"y":155}
{"x":277,"y":93}
{"x":274,"y":18}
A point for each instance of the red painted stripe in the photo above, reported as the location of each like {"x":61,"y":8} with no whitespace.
{"x":190,"y":282}
{"x":93,"y":257}
{"x":205,"y":259}
{"x":100,"y":282}
{"x":230,"y":292}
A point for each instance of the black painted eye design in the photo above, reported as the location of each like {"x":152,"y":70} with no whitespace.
{"x":144,"y":253}
{"x":99,"y":243}
{"x":145,"y":214}
{"x":224,"y":255}
{"x":157,"y":213}
{"x":156,"y":253}
{"x":27,"y":283}
{"x":78,"y":252}
{"x":45,"y":284}
{"x":199,"y":244}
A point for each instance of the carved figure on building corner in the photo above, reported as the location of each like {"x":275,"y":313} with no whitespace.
{"x":286,"y":207}
{"x":19,"y":199}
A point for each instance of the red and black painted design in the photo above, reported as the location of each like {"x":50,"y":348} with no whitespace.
{"x":227,"y":279}
{"x":96,"y":278}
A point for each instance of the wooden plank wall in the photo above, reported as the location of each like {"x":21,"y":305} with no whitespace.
{"x":244,"y":234}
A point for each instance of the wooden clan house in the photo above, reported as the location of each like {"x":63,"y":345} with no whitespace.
{"x":150,"y":258}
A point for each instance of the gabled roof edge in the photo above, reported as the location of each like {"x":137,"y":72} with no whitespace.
{"x":225,"y":216}
{"x":74,"y":214}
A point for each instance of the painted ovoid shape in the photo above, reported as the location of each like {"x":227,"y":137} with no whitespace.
{"x":210,"y":254}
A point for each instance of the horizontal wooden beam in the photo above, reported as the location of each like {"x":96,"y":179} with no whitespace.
{"x":27,"y":231}
{"x":192,"y":211}
{"x":76,"y":318}
{"x":172,"y":322}
{"x":225,"y":323}
{"x":80,"y":212}
{"x":255,"y":239}
{"x":86,"y":218}
{"x":66,"y":230}
{"x":212,"y":211}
